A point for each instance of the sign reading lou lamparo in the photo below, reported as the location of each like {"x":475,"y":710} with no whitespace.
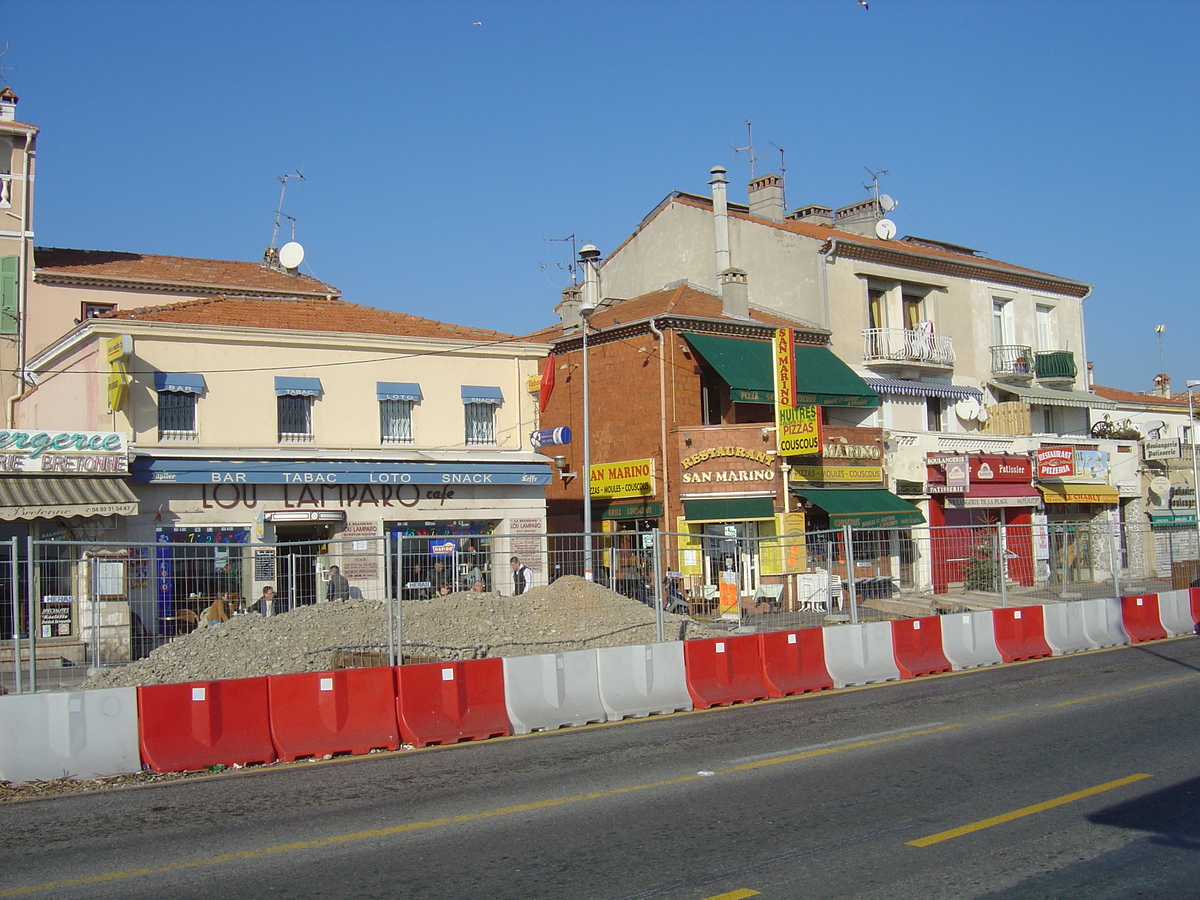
{"x":64,"y":452}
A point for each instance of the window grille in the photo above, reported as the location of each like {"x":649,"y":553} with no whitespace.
{"x":295,"y":418}
{"x":395,"y":421}
{"x":176,"y":415}
{"x":481,"y":423}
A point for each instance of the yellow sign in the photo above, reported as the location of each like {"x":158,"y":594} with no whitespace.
{"x":785,"y":368}
{"x":119,"y":347}
{"x":631,"y":478}
{"x":799,"y":430}
{"x":533,"y":383}
{"x":861,"y":474}
{"x":118,"y":385}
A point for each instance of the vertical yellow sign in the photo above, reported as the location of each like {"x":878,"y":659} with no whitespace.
{"x":785,"y":367}
{"x":799,"y":431}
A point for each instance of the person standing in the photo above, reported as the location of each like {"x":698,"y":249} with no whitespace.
{"x":522,"y":577}
{"x":339,"y":587}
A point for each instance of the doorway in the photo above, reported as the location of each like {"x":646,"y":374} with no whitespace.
{"x":303,"y":553}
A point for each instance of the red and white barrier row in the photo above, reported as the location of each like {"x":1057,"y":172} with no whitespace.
{"x":182,"y":727}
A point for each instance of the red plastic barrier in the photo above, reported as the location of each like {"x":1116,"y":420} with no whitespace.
{"x":448,"y":702}
{"x":724,"y":671}
{"x":1021,"y":633}
{"x":917,"y":646}
{"x":185,"y":727}
{"x":323,"y":713}
{"x":793,"y":662}
{"x":1194,"y":598}
{"x":1142,"y":619}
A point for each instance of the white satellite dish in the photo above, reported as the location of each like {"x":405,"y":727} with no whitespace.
{"x":982,"y":415}
{"x":885,"y":229}
{"x":967,"y":408}
{"x":291,"y":255}
{"x":886,"y":203}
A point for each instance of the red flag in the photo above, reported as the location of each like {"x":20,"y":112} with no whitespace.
{"x":547,"y":384}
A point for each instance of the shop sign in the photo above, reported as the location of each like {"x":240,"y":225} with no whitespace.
{"x":1162,"y":449}
{"x":727,"y":476}
{"x":785,"y":369}
{"x":641,"y":510}
{"x":207,"y":471}
{"x":969,"y":502}
{"x":1055,"y":462}
{"x":55,"y":615}
{"x":799,"y":431}
{"x":630,"y":478}
{"x":64,"y":452}
{"x":822,"y":473}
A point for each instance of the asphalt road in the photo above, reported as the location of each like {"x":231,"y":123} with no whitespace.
{"x":1074,"y":777}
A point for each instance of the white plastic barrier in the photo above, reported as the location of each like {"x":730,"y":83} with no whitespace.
{"x":969,"y":640}
{"x":1064,"y":628}
{"x":1175,"y":612}
{"x":860,"y":654}
{"x":552,"y":690}
{"x":1102,"y":622}
{"x":79,"y":734}
{"x":642,"y":680}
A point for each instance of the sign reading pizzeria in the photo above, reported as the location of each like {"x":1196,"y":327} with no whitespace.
{"x":1055,"y":462}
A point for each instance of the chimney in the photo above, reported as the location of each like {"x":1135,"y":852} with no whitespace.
{"x":735,"y":293}
{"x":766,"y":197}
{"x":813,"y":214}
{"x":1162,"y":385}
{"x":859,"y":218}
{"x":568,"y":308}
{"x":590,"y":257}
{"x":8,"y":104}
{"x":720,"y":217}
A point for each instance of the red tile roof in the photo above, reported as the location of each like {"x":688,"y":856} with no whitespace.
{"x":150,"y":270}
{"x":304,"y":314}
{"x":1131,"y":397}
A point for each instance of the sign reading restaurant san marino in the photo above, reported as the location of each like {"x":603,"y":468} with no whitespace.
{"x":64,"y":452}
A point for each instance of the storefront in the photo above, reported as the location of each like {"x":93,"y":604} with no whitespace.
{"x":1082,"y":513}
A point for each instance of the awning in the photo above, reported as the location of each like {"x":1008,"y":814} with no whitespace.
{"x":744,"y":365}
{"x":179,"y":382}
{"x":1050,"y":397}
{"x":397,"y":390}
{"x":921,"y":388}
{"x":875,"y":508}
{"x":984,"y":496}
{"x":476,"y":394}
{"x":824,"y":380}
{"x":54,"y":498}
{"x":1079,"y":493}
{"x":734,"y":509}
{"x":297,"y":387}
{"x":1169,"y":519}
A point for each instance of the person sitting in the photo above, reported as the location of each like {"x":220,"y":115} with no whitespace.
{"x":217,"y":611}
{"x":443,"y":590}
{"x":477,"y":587}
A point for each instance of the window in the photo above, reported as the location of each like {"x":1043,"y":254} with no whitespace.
{"x":91,"y":310}
{"x":176,"y":415}
{"x":295,"y":417}
{"x":1045,"y":327}
{"x":395,"y":421}
{"x":912,"y":311}
{"x":479,"y":405}
{"x":1002,"y":323}
{"x":934,"y":413}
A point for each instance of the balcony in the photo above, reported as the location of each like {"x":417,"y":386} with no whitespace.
{"x":1013,"y":362}
{"x":907,"y":349}
{"x":1055,"y":367}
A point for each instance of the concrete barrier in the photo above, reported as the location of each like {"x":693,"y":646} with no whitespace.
{"x":1021,"y":633}
{"x":552,"y":690}
{"x":448,"y":702}
{"x":1102,"y":622}
{"x":860,"y":654}
{"x":917,"y":647}
{"x":1140,"y":615}
{"x":793,"y":662}
{"x":642,"y":680}
{"x":1064,"y":628}
{"x":969,"y":640}
{"x":1175,"y":612}
{"x":724,"y":671}
{"x":77,"y":734}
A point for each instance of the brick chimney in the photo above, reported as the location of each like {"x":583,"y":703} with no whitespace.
{"x":1162,"y":385}
{"x":766,"y":197}
{"x":568,"y":307}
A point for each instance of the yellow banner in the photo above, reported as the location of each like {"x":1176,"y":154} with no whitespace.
{"x":118,"y":386}
{"x":785,"y":368}
{"x":861,"y":474}
{"x":799,"y":430}
{"x":631,"y":478}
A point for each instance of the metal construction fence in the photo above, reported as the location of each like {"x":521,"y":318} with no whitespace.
{"x":70,"y":608}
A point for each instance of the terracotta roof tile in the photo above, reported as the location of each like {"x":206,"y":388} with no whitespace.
{"x":304,"y":314}
{"x":148,"y":269}
{"x":1131,"y":397}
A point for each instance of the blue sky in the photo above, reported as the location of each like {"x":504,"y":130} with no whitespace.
{"x":440,"y":156}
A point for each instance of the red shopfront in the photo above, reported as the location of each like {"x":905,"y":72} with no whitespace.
{"x":970,"y":496}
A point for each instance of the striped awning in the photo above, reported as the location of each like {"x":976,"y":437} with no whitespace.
{"x":922,"y":388}
{"x":63,"y":498}
{"x":1051,"y":397}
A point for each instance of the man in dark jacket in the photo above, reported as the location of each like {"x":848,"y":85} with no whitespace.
{"x":522,"y":577}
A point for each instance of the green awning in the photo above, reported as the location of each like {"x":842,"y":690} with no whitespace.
{"x":735,"y":509}
{"x":824,"y":380}
{"x":875,"y":508}
{"x":744,"y":365}
{"x":1169,"y":519}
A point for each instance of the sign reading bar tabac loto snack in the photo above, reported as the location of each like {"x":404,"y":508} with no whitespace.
{"x":64,"y":452}
{"x":630,"y":478}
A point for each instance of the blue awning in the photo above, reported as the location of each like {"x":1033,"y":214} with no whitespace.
{"x":922,"y":388}
{"x":397,"y":390}
{"x":297,"y":387}
{"x":474,"y":394}
{"x":179,"y":382}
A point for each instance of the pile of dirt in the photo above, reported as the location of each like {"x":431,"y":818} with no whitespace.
{"x":571,"y":614}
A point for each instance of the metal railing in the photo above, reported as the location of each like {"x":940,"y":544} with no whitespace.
{"x":907,"y":345}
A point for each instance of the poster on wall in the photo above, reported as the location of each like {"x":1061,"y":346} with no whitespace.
{"x":360,"y":556}
{"x":56,"y":615}
{"x":526,"y":541}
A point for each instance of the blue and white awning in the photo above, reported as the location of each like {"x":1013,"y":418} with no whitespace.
{"x":179,"y":382}
{"x":398,"y":390}
{"x":475,"y":394}
{"x":922,"y":388}
{"x":297,"y":387}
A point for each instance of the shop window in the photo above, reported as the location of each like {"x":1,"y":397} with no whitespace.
{"x":396,"y":421}
{"x":295,"y":418}
{"x":176,"y":416}
{"x":480,"y":423}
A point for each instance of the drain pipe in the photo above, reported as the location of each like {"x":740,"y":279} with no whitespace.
{"x":662,"y":411}
{"x":830,"y":259}
{"x":23,"y":279}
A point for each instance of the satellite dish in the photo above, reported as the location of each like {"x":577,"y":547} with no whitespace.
{"x":886,"y":203}
{"x":967,"y":408}
{"x":886,"y":229}
{"x":291,"y":255}
{"x":982,"y":415}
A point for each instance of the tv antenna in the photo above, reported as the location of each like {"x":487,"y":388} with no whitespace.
{"x":1159,"y":329}
{"x":573,"y":265}
{"x":279,"y":213}
{"x":883,"y":201}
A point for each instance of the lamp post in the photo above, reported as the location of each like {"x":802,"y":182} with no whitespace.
{"x":1191,"y":386}
{"x":590,"y":257}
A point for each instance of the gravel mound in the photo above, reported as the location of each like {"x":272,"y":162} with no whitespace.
{"x":571,"y":614}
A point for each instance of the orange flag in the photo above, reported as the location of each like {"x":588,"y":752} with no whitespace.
{"x":547,"y":384}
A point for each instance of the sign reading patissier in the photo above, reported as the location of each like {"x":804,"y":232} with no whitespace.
{"x":64,"y":452}
{"x":630,"y":478}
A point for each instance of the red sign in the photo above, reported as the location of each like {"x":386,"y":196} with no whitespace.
{"x":1056,"y":462}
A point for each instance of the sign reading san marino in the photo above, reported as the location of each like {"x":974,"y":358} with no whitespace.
{"x":64,"y":452}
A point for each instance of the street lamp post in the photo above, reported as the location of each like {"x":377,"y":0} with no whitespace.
{"x":1191,"y":386}
{"x":590,"y":256}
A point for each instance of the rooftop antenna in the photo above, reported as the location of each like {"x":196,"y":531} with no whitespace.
{"x":573,"y":265}
{"x":1159,"y":329}
{"x":782,"y":171}
{"x":291,"y":254}
{"x":4,"y":69}
{"x":749,"y":148}
{"x":873,"y":187}
{"x":283,"y":180}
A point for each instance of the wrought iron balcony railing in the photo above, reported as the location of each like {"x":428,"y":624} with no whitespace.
{"x":1056,"y":364}
{"x":907,"y":345}
{"x":1012,"y":359}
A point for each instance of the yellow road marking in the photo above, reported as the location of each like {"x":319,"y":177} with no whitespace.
{"x":1026,"y":811}
{"x":740,"y":894}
